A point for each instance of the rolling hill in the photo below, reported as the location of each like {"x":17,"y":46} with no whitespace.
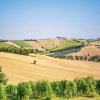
{"x":66,"y":44}
{"x":35,"y":45}
{"x":4,"y":45}
{"x":22,"y":44}
{"x":49,"y":43}
{"x":44,"y":44}
{"x":12,"y":44}
{"x":91,"y":50}
{"x":20,"y":68}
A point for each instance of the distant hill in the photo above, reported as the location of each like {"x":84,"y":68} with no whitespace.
{"x":55,"y":45}
{"x":4,"y":45}
{"x":88,"y":50}
{"x":44,"y":44}
{"x":22,"y":44}
{"x":12,"y":44}
{"x":35,"y":45}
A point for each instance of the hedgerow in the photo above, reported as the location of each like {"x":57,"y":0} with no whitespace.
{"x":84,"y":58}
{"x":20,"y":51}
{"x":44,"y":90}
{"x":87,"y":87}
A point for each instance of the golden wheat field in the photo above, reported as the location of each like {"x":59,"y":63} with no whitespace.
{"x":91,"y":50}
{"x":20,"y":68}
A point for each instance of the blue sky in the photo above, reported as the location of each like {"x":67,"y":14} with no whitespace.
{"x":21,"y":19}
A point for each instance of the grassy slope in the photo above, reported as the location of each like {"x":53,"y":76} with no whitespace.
{"x":58,"y":44}
{"x":47,"y":43}
{"x":60,"y":51}
{"x":12,"y":44}
{"x":51,"y":44}
{"x":4,"y":45}
{"x":35,"y":45}
{"x":91,"y":50}
{"x":22,"y":43}
{"x":66,"y":44}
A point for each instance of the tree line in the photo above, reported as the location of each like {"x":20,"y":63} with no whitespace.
{"x":45,"y":90}
{"x":72,"y":48}
{"x":95,"y":58}
{"x":20,"y":51}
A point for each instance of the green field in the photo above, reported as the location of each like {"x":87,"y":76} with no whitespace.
{"x":22,"y":44}
{"x":66,"y":44}
{"x":4,"y":45}
{"x":66,"y":47}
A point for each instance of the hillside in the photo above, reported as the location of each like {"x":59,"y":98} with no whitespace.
{"x":12,"y":44}
{"x":44,"y":44}
{"x":4,"y":45}
{"x":49,"y":43}
{"x":19,"y":68}
{"x":35,"y":45}
{"x":66,"y":44}
{"x":91,"y":50}
{"x":22,"y":44}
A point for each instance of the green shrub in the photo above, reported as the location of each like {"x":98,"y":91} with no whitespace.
{"x":34,"y":92}
{"x":43,"y":89}
{"x":81,"y":57}
{"x":85,"y":58}
{"x":77,"y":58}
{"x":11,"y":91}
{"x":98,"y":86}
{"x":64,"y":88}
{"x":2,"y":92}
{"x":24,"y":90}
{"x":3,"y":79}
{"x":86,"y":86}
{"x":94,"y":58}
{"x":71,"y":89}
{"x":69,"y":57}
{"x":56,"y":87}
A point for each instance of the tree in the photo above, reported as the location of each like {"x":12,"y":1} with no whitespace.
{"x":34,"y":62}
{"x":85,"y":58}
{"x":3,"y":79}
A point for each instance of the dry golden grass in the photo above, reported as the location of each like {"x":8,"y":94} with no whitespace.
{"x":19,"y":68}
{"x":49,"y":43}
{"x":35,"y":45}
{"x":91,"y":50}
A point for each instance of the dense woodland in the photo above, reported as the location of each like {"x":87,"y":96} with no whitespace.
{"x":45,"y":90}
